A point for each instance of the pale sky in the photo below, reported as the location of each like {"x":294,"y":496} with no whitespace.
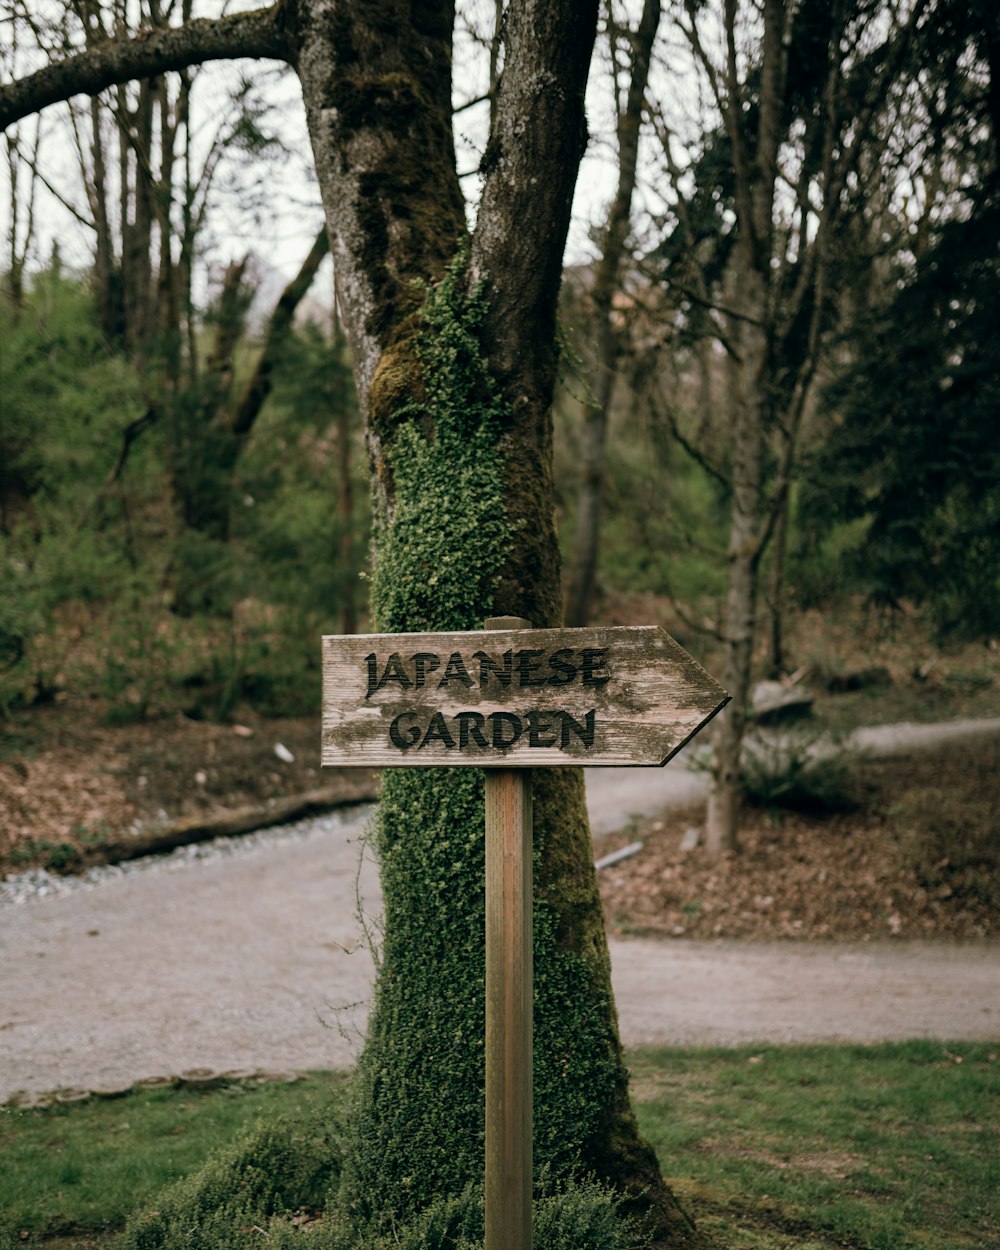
{"x":273,"y":209}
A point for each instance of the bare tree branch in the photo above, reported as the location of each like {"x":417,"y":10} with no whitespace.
{"x":259,"y":33}
{"x":666,"y":413}
{"x":129,"y":434}
{"x":258,"y":387}
{"x":71,"y":208}
{"x":468,"y":104}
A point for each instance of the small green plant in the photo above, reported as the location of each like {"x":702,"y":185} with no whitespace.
{"x":91,"y":1165}
{"x":274,"y":1170}
{"x":91,"y":834}
{"x":56,"y":856}
{"x":798,"y":769}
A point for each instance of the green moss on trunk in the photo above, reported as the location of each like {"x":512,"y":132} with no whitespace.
{"x":444,"y":535}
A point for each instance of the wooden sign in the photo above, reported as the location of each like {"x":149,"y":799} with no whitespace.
{"x":511,"y":698}
{"x":523,"y":698}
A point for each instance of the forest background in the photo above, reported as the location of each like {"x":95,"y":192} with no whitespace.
{"x":184,"y":502}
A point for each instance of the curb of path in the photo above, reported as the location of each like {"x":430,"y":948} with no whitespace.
{"x":362,"y":787}
{"x":193,"y":1078}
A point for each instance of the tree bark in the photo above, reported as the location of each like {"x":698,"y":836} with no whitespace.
{"x":752,"y":331}
{"x":343,"y":408}
{"x":107,"y":278}
{"x":137,"y":266}
{"x":748,"y":415}
{"x":371,"y":105}
{"x":776,"y":663}
{"x":530,"y":164}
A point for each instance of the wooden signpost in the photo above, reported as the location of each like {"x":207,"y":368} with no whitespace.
{"x":508,"y":699}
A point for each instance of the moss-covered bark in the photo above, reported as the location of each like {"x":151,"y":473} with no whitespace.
{"x":418,"y":1128}
{"x":458,"y":404}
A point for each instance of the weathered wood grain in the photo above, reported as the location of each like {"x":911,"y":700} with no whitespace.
{"x":518,"y":698}
{"x":508,"y":1009}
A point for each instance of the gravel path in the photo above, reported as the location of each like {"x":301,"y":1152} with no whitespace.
{"x":246,"y":955}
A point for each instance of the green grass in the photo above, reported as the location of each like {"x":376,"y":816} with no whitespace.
{"x":83,"y":1167}
{"x":893,"y":1147}
{"x":883,"y":1148}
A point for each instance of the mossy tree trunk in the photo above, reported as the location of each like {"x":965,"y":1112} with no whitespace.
{"x":457,"y":397}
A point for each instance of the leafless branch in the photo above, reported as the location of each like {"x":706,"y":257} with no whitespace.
{"x":665,"y":413}
{"x":479,"y":99}
{"x":71,"y":208}
{"x":258,"y":387}
{"x":258,"y":33}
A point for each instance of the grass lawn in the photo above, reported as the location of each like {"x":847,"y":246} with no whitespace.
{"x":73,"y":1172}
{"x":893,"y":1147}
{"x":875,"y":1148}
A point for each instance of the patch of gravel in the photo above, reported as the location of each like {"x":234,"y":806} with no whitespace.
{"x":38,"y":883}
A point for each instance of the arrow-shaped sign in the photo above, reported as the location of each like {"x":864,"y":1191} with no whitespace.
{"x":523,"y":698}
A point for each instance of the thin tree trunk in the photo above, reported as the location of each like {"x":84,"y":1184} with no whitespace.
{"x":776,"y":665}
{"x":140,"y":251}
{"x":586,"y":535}
{"x":345,"y":515}
{"x":706,"y":406}
{"x":126,"y":165}
{"x":755,"y":170}
{"x":167,"y":312}
{"x":187,"y":237}
{"x":722,"y":820}
{"x":345,"y":484}
{"x":596,"y":415}
{"x":105,"y":279}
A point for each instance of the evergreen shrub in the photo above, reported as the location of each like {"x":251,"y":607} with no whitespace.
{"x":799,"y":769}
{"x":582,"y":1215}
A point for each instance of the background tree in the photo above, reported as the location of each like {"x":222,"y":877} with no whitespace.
{"x":150,"y":182}
{"x":756,"y":205}
{"x":912,"y":451}
{"x":209,"y":421}
{"x":609,"y":270}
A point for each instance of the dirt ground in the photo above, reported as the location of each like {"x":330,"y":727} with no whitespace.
{"x":917,"y":855}
{"x":69,"y":782}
